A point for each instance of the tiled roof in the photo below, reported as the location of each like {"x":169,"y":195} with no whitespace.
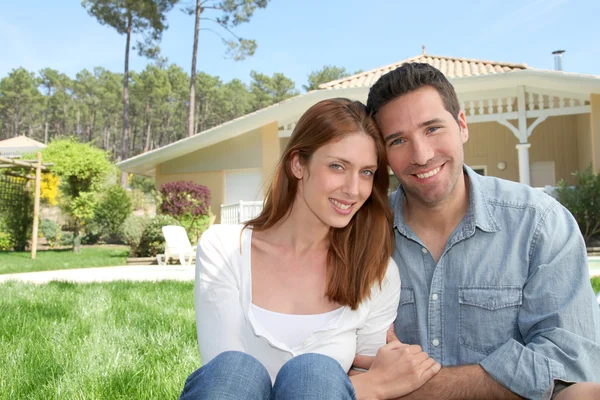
{"x":452,"y":67}
{"x":21,"y":141}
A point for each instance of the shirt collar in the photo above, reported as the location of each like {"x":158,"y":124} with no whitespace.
{"x":478,"y":214}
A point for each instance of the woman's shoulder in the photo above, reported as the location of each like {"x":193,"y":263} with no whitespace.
{"x":392,"y":274}
{"x":390,"y":281}
{"x":224,"y":234}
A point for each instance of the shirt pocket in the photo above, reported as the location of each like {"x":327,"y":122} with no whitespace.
{"x":488,"y":316}
{"x":406,"y":322}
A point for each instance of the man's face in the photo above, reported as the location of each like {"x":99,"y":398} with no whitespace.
{"x":424,"y":145}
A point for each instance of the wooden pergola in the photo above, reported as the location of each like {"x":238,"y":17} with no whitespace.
{"x":38,"y":167}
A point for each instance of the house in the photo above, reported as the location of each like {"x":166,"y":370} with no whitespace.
{"x":525,"y":124}
{"x":19,"y":145}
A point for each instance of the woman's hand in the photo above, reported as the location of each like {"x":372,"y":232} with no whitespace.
{"x":396,"y":370}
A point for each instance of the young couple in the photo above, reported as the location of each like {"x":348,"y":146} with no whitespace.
{"x":482,"y":276}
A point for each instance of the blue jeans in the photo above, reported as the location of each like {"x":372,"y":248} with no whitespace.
{"x":236,"y":375}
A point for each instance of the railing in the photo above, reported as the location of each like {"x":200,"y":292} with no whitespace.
{"x":240,"y":212}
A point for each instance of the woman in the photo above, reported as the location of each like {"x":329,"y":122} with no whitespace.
{"x":296,"y":293}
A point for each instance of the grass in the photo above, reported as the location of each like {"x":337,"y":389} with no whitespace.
{"x":596,"y":284}
{"x":117,"y":340}
{"x":47,"y":260}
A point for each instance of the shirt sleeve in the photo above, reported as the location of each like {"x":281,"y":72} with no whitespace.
{"x":219,"y":314}
{"x":382,"y":312}
{"x":559,"y":319}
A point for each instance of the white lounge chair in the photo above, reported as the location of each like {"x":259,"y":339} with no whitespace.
{"x":177,"y":246}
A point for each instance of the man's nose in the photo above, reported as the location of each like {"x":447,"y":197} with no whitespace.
{"x":421,"y":152}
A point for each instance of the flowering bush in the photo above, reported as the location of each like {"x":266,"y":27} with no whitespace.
{"x":49,"y":188}
{"x":184,"y":198}
{"x":189,"y":203}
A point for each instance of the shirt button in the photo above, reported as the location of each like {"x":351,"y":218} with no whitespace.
{"x":434,"y":296}
{"x":435,"y":342}
{"x":424,"y":250}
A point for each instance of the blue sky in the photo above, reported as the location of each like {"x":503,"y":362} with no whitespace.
{"x":298,"y":36}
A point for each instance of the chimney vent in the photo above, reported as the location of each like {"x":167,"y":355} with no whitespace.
{"x":558,"y":56}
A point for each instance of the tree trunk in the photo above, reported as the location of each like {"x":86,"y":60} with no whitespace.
{"x":193,"y":75}
{"x":105,"y":135}
{"x":148,"y":127}
{"x":134,"y":133}
{"x":17,"y":119}
{"x":91,"y":126}
{"x":197,"y":118}
{"x":125,"y":137}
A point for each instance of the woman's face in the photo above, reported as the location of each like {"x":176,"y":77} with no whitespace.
{"x":338,"y":179}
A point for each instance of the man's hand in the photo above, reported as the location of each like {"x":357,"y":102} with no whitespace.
{"x":398,"y":368}
{"x":363,"y":363}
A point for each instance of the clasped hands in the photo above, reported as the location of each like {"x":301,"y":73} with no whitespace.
{"x":397,"y":369}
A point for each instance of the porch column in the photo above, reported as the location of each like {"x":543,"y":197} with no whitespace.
{"x":595,"y":130}
{"x":270,"y":151}
{"x":523,"y":151}
{"x":523,"y":146}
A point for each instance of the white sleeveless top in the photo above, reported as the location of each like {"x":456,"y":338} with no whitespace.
{"x":226,"y":320}
{"x":292,"y":329}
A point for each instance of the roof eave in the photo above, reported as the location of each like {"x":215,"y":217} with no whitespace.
{"x":143,"y":163}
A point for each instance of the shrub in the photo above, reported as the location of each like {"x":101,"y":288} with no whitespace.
{"x":596,"y":284}
{"x":112,"y":211}
{"x":189,"y":203}
{"x":583,"y":201}
{"x":66,"y":238}
{"x":142,"y":183}
{"x":6,"y":240}
{"x":49,"y":188}
{"x":137,"y":198}
{"x":18,"y":222}
{"x":132,"y":231}
{"x":51,"y":231}
{"x":195,"y":226}
{"x":152,"y":241}
{"x":184,"y":198}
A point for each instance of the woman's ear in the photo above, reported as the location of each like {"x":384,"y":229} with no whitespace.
{"x":296,"y":165}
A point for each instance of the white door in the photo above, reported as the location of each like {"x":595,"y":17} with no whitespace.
{"x":244,"y":185}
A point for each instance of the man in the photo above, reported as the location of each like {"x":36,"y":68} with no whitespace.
{"x":495,"y":282}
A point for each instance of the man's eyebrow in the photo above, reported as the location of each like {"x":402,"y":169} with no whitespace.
{"x":350,"y":162}
{"x":429,"y":122}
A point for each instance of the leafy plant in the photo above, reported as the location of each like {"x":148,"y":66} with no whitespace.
{"x":18,"y":221}
{"x":82,"y":170}
{"x":184,"y":197}
{"x":132,"y":231}
{"x":152,"y":241}
{"x":112,"y":210}
{"x":583,"y":201}
{"x":189,"y":203}
{"x":51,"y":231}
{"x":49,"y":188}
{"x":5,"y":241}
{"x":145,"y":184}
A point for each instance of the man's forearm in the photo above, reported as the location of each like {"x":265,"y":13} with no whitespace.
{"x":462,"y":382}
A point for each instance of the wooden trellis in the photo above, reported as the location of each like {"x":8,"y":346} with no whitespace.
{"x":13,"y":187}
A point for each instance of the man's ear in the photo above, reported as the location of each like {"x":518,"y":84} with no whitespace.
{"x":464,"y":129}
{"x":296,"y":165}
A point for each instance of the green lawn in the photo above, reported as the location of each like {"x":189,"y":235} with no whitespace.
{"x":96,"y":341}
{"x":47,"y":260}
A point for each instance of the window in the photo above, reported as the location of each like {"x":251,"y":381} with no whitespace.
{"x":480,"y":169}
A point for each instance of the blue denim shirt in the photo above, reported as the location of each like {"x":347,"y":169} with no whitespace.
{"x":510,"y":292}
